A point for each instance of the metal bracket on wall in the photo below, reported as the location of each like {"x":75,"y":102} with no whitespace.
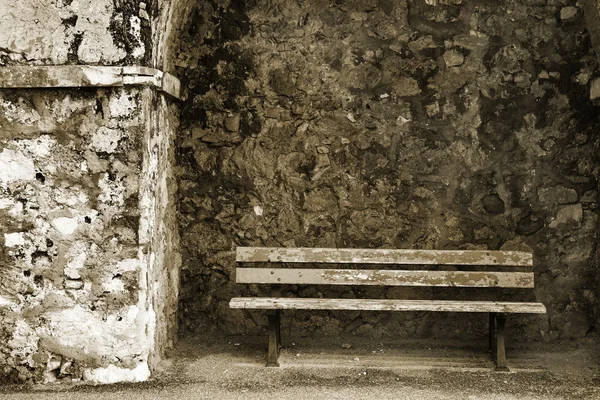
{"x":74,"y":76}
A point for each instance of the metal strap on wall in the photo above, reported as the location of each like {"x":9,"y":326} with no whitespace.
{"x":73,"y":76}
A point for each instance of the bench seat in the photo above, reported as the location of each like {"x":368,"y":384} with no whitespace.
{"x":282,"y":303}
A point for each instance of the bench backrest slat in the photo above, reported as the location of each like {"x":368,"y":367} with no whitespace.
{"x":384,"y":256}
{"x":384,"y":277}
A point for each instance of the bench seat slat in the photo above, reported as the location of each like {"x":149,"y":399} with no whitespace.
{"x":384,"y":277}
{"x":384,"y":256}
{"x":274,"y":303}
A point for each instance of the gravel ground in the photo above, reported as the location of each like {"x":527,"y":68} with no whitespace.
{"x":351,"y":368}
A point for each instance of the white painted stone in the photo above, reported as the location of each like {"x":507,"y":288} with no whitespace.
{"x":18,"y":112}
{"x":97,"y":44}
{"x":53,"y":365}
{"x":36,"y":30}
{"x":6,"y":203}
{"x":74,"y":265}
{"x":76,"y":332}
{"x":136,"y":32}
{"x":73,"y":284}
{"x":106,"y":140}
{"x":113,"y":285}
{"x":4,"y":302}
{"x":38,"y":148}
{"x":24,"y":339}
{"x":14,"y":239}
{"x":90,"y":52}
{"x":20,"y":32}
{"x":65,"y":225}
{"x":87,"y":52}
{"x":14,"y":166}
{"x":122,"y":105}
{"x":42,"y":226}
{"x":127,"y":265}
{"x":258,"y":210}
{"x":71,"y":197}
{"x":64,"y":107}
{"x":112,"y":192}
{"x":113,"y":374}
{"x":98,"y":335}
{"x":17,"y":210}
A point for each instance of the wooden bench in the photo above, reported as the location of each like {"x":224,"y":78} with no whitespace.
{"x":252,"y":270}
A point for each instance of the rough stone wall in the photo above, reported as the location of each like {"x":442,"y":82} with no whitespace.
{"x":436,"y":124}
{"x":105,"y":32}
{"x":591,"y":10}
{"x":159,"y":239}
{"x":167,"y":17}
{"x":88,"y":239}
{"x":70,"y":276}
{"x":162,"y":224}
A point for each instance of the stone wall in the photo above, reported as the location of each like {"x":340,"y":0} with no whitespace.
{"x":89,"y":268}
{"x":356,"y":123}
{"x":159,"y":238}
{"x":436,"y":124}
{"x":70,"y":223}
{"x":591,"y":11}
{"x":104,"y":32}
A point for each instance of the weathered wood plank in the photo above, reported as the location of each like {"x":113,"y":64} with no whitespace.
{"x":384,"y":256}
{"x":500,"y":347}
{"x":384,"y":277}
{"x":276,"y":303}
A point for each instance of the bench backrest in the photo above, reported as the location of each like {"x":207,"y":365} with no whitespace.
{"x":276,"y":256}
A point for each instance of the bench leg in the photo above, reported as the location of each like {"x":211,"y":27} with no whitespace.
{"x":500,"y":349}
{"x":492,"y":333}
{"x":274,"y":338}
{"x":278,"y":312}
